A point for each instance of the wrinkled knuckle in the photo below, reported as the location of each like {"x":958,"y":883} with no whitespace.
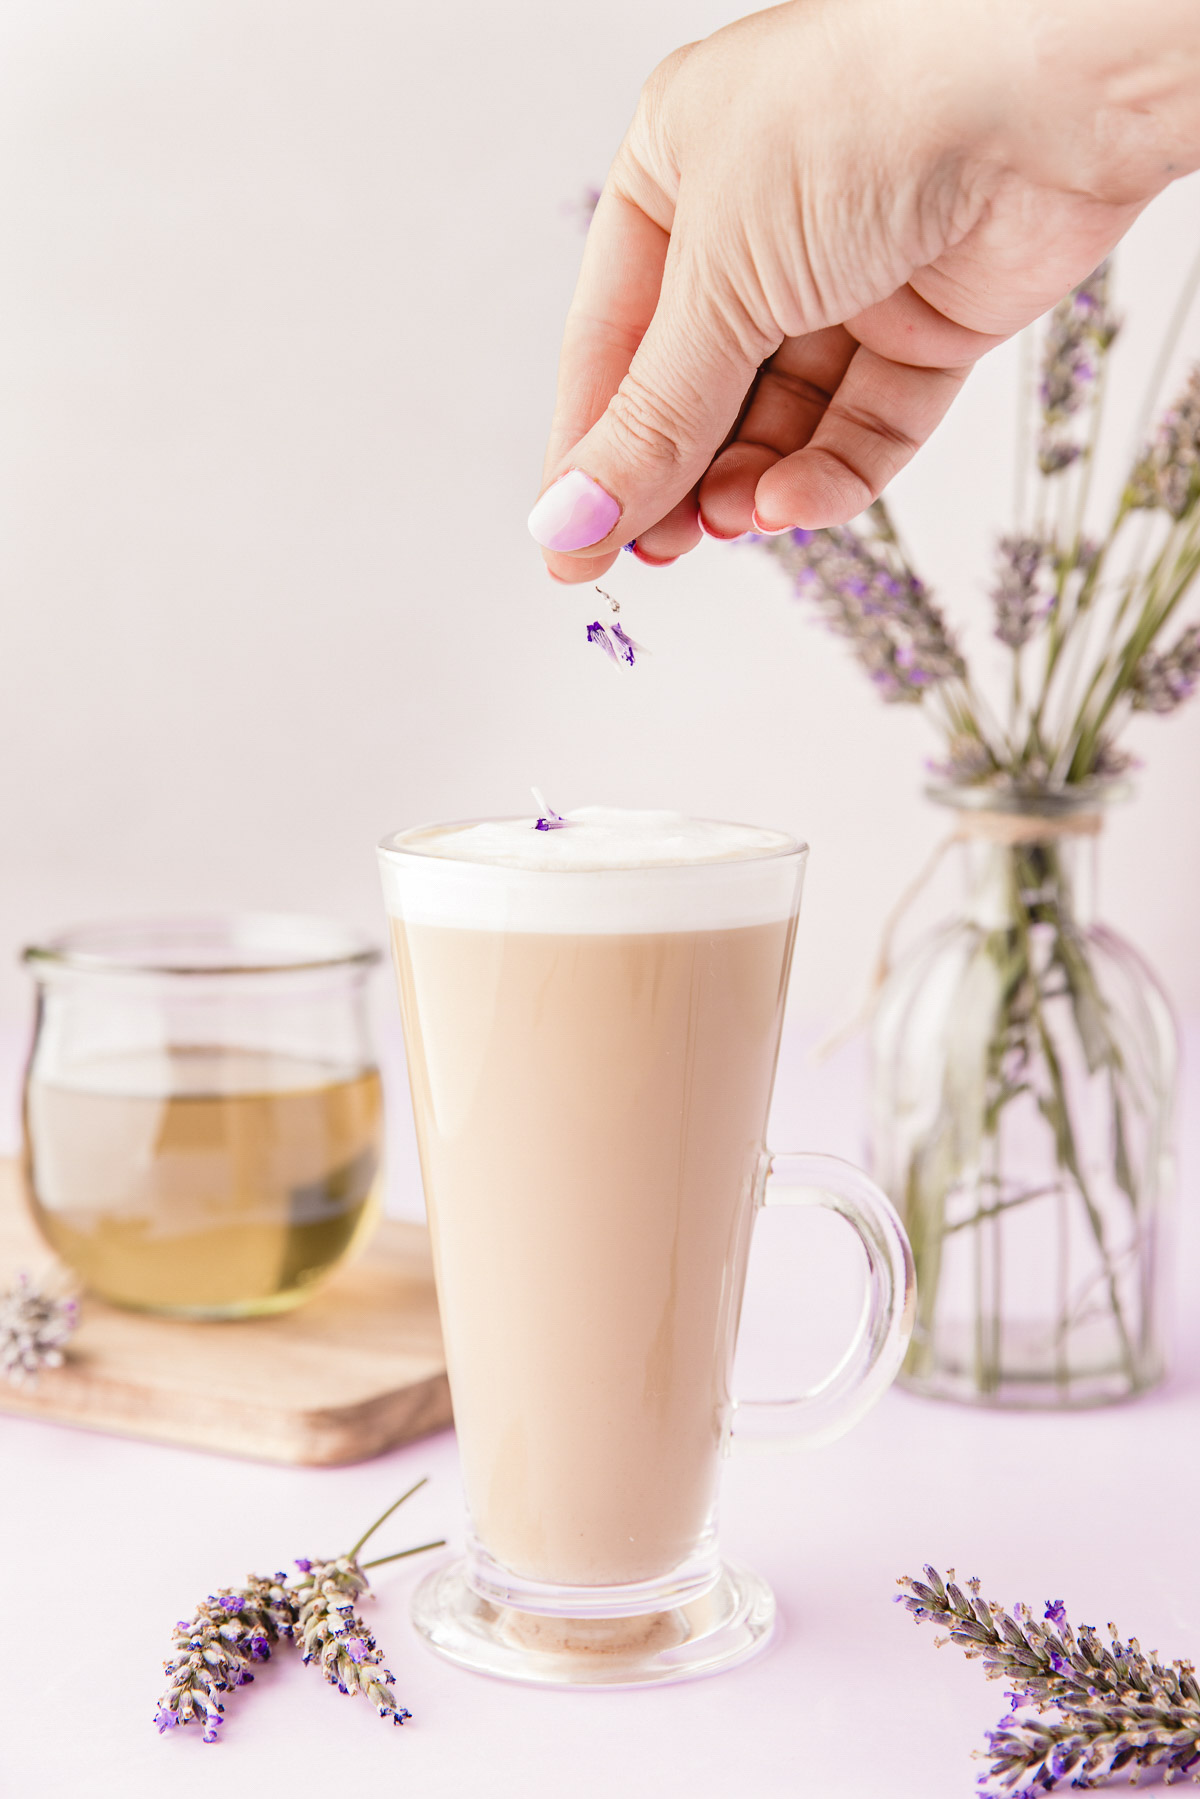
{"x":881,"y":428}
{"x":645,"y":429}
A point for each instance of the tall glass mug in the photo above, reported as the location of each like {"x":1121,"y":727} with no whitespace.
{"x":592,"y":1014}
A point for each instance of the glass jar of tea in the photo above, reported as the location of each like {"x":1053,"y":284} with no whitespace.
{"x":203,"y":1117}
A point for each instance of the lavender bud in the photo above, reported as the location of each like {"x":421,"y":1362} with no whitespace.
{"x":34,"y":1326}
{"x":597,"y":634}
{"x":1167,"y":474}
{"x":1081,"y":331}
{"x":1164,"y":679}
{"x":1019,"y":603}
{"x":869,"y":596}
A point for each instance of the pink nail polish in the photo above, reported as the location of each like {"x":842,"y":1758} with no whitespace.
{"x":769,"y":530}
{"x":574,"y":513}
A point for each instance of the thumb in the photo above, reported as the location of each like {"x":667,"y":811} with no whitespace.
{"x":671,"y":412}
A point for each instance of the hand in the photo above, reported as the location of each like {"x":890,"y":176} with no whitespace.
{"x":821,"y":217}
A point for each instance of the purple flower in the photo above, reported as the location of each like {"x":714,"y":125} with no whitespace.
{"x":303,"y":1564}
{"x":627,"y":645}
{"x":1056,"y":1612}
{"x":212,"y":1651}
{"x":597,"y":634}
{"x":355,"y":1648}
{"x":1081,"y":330}
{"x":1019,"y":603}
{"x":1164,"y":679}
{"x":548,"y":819}
{"x":1167,"y":474}
{"x":870,"y":596}
{"x":631,"y":545}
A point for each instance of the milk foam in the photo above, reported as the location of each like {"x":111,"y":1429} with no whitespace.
{"x":607,"y":869}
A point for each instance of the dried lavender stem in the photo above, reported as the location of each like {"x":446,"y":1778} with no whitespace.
{"x":400,"y":1554}
{"x":352,"y":1554}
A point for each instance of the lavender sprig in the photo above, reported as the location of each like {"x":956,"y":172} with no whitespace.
{"x":1081,"y":330}
{"x":1162,"y":681}
{"x":1017,"y":598}
{"x":331,"y":1633}
{"x":231,"y":1630}
{"x":34,"y":1326}
{"x":870,"y":596}
{"x":1080,"y":1707}
{"x":238,"y":1626}
{"x":1167,"y":474}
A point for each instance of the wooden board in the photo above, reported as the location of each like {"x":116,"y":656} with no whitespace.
{"x":354,"y":1371}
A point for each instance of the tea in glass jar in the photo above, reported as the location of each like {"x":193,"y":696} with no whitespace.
{"x":203,"y":1119}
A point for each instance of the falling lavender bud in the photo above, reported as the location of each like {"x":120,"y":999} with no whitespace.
{"x":34,"y":1326}
{"x":1079,"y":1707}
{"x":1167,"y":473}
{"x":596,"y":633}
{"x":229,"y":1630}
{"x":330,"y":1633}
{"x":627,"y":646}
{"x":1164,"y":679}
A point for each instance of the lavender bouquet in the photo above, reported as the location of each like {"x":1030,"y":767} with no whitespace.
{"x":1023,"y":1056}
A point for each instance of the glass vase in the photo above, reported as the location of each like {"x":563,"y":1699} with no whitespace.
{"x":1023,"y":1072}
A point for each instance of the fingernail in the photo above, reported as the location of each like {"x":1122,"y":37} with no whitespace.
{"x":770,"y":530}
{"x":653,"y":561}
{"x":721,"y":536}
{"x":574,"y":513}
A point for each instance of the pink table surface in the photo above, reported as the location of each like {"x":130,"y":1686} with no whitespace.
{"x":104,"y":1543}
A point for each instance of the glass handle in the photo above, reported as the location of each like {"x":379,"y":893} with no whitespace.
{"x":875,"y":1353}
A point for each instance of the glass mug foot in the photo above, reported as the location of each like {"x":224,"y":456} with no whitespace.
{"x":732,"y":1621}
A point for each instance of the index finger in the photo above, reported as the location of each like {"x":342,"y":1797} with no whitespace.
{"x":614,"y":301}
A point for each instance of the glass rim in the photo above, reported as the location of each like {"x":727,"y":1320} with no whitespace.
{"x":110,"y":946}
{"x":392,"y":845}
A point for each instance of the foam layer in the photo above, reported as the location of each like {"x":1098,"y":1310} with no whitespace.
{"x":607,"y":870}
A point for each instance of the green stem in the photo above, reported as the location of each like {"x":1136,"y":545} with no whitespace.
{"x":1156,"y":611}
{"x":402,"y":1553}
{"x":1068,"y":1158}
{"x":352,"y":1554}
{"x":1170,"y":340}
{"x":994,"y":1211}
